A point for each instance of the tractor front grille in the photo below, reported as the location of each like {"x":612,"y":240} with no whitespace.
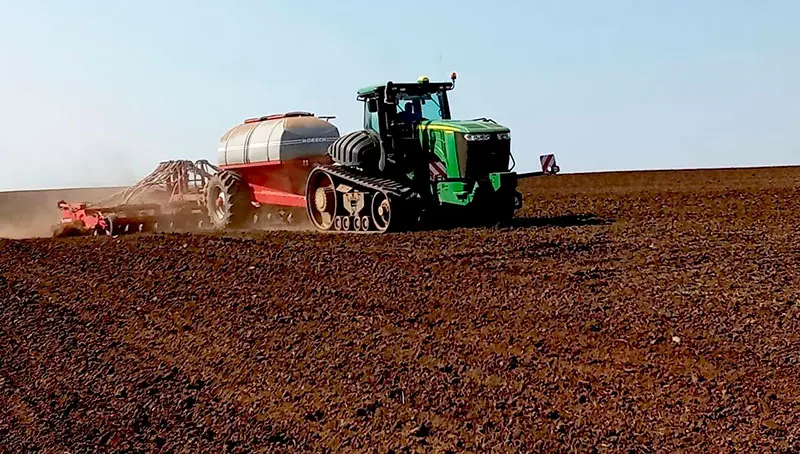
{"x":485,"y":157}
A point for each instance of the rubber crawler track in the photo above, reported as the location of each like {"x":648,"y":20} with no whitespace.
{"x":400,"y":196}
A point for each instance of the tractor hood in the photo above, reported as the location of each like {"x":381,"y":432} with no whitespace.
{"x":463,"y":126}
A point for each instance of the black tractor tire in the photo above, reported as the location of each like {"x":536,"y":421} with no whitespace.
{"x":228,"y":201}
{"x":358,"y":149}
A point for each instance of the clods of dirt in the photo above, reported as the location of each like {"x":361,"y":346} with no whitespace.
{"x":628,"y":312}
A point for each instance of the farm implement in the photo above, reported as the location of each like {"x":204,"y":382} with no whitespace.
{"x":171,"y":197}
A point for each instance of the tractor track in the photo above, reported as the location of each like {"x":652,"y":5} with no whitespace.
{"x":622,"y":312}
{"x":398,"y":194}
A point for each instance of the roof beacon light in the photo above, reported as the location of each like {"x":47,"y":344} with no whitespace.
{"x":423,"y":79}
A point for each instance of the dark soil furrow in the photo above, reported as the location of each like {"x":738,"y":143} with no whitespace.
{"x":630,"y":312}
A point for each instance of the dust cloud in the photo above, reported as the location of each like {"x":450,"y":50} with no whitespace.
{"x":33,"y":214}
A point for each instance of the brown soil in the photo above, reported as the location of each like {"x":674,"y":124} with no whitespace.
{"x":627,"y":312}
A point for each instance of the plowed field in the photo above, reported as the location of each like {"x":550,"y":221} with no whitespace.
{"x":632,"y":312}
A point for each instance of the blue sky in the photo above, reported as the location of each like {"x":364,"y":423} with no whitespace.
{"x":97,"y":92}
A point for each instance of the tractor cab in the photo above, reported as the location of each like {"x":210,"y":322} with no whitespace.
{"x":395,"y":109}
{"x":397,"y":113}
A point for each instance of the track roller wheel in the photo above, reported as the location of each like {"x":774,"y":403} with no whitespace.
{"x":381,"y":212}
{"x":321,"y":201}
{"x":227,"y":200}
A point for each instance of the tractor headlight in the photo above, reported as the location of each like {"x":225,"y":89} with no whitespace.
{"x":476,"y":137}
{"x":504,"y":136}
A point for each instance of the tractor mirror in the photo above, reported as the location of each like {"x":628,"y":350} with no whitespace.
{"x":372,"y":105}
{"x":387,"y":93}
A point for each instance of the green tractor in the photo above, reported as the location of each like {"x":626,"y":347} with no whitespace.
{"x":412,"y":164}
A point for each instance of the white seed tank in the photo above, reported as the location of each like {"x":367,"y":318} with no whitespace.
{"x":284,"y":137}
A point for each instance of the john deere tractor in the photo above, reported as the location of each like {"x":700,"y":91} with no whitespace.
{"x":412,"y":164}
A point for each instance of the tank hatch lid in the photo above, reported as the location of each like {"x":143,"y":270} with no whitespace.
{"x":296,"y":113}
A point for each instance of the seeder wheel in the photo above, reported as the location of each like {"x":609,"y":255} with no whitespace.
{"x":108,"y":230}
{"x":228,"y":201}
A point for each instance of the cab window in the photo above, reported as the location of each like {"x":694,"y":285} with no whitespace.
{"x":427,"y":106}
{"x":370,"y":119}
